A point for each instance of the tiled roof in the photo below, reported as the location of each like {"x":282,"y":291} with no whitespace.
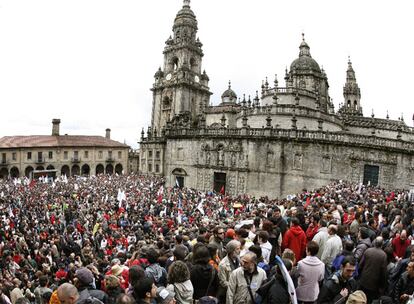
{"x":40,"y":141}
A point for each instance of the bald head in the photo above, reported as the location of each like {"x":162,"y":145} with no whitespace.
{"x":378,"y":242}
{"x":67,"y":293}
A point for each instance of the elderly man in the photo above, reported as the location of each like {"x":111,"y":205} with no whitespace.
{"x":333,"y":247}
{"x":245,"y":281}
{"x":373,"y":269}
{"x":400,"y":244}
{"x":67,"y":294}
{"x":227,"y":265}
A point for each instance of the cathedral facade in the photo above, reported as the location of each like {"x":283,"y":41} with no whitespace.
{"x":287,"y":138}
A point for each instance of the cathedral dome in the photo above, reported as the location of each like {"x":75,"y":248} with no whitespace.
{"x":305,"y":62}
{"x":229,"y":94}
{"x":185,"y":16}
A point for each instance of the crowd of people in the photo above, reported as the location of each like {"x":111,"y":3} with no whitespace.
{"x":129,"y":239}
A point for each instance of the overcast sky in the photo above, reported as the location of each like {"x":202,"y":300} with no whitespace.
{"x":91,"y":62}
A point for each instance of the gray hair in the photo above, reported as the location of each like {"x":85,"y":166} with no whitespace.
{"x":378,"y":242}
{"x":232,"y":245}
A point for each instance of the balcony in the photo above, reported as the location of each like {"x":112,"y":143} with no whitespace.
{"x":110,"y":159}
{"x":75,"y":160}
{"x":40,"y":160}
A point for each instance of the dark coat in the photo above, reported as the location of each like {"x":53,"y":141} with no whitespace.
{"x":200,"y":278}
{"x":113,"y":293}
{"x":373,"y":269}
{"x":405,"y":285}
{"x":278,"y":292}
{"x":330,"y":291}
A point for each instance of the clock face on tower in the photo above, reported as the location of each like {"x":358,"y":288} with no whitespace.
{"x":168,"y":77}
{"x":196,"y":78}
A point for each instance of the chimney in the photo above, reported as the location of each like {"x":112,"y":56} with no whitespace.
{"x":55,"y":128}
{"x":108,"y":133}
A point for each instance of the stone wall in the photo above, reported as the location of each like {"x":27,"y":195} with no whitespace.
{"x":280,"y":166}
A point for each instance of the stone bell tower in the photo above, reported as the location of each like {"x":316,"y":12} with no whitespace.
{"x":180,"y":88}
{"x":352,"y":94}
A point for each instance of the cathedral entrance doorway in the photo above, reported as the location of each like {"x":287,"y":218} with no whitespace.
{"x":179,"y":181}
{"x":371,"y":175}
{"x":219,"y":182}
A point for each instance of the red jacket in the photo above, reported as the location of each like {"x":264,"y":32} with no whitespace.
{"x":311,"y":231}
{"x":400,"y":247}
{"x":295,"y":240}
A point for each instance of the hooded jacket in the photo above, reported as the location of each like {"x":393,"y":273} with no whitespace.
{"x":310,"y":271}
{"x":295,"y":239}
{"x":266,"y":250}
{"x":201,"y":276}
{"x":362,"y":245}
{"x":183,"y":292}
{"x":158,"y":273}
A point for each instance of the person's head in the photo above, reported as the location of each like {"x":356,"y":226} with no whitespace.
{"x":257,"y":250}
{"x":152,"y":255}
{"x":111,"y":282}
{"x":315,"y":219}
{"x":233,"y":248}
{"x":332,"y":229}
{"x":178,"y":239}
{"x":17,"y":282}
{"x":276,"y":212}
{"x":22,"y":301}
{"x":135,"y":274}
{"x":145,"y":289}
{"x":67,"y":293}
{"x":218,"y":233}
{"x":43,"y":280}
{"x":178,"y":272}
{"x":84,"y":277}
{"x":263,"y":237}
{"x":378,"y":242}
{"x":403,"y":236}
{"x":179,"y":253}
{"x":348,"y":267}
{"x":125,"y":299}
{"x":357,"y":297}
{"x":288,"y":264}
{"x":410,"y":269}
{"x":213,"y":249}
{"x":312,"y":248}
{"x":289,"y":254}
{"x":201,"y":255}
{"x":294,"y":222}
{"x":248,"y":262}
{"x":165,"y":296}
{"x":349,"y":246}
{"x":230,"y":234}
{"x":363,"y":233}
{"x":208,"y":300}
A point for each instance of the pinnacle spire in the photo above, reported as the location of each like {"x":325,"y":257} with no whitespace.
{"x":186,"y":3}
{"x":304,"y":47}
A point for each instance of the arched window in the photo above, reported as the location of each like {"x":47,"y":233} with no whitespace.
{"x":193,"y":64}
{"x":175,"y":63}
{"x":349,"y":104}
{"x":355,"y":105}
{"x":166,"y":102}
